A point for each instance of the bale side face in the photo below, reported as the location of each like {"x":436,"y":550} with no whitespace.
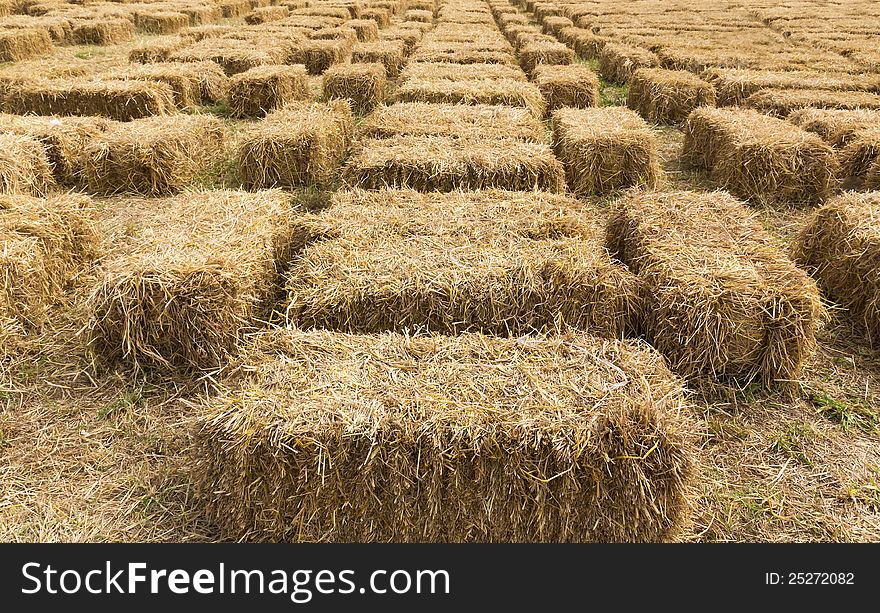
{"x":102,"y":32}
{"x":24,"y":44}
{"x":573,"y":86}
{"x":319,"y":55}
{"x":539,"y":53}
{"x":258,"y":91}
{"x":840,"y":247}
{"x":781,"y":102}
{"x":363,"y":85}
{"x":618,"y":62}
{"x":667,"y":96}
{"x":496,"y":92}
{"x":422,"y":457}
{"x":388,"y":53}
{"x":835,"y":127}
{"x":24,"y":166}
{"x":723,"y":301}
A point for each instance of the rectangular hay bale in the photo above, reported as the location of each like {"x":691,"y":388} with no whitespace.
{"x":24,"y":166}
{"x":23,"y":44}
{"x":102,"y":32}
{"x":781,"y":102}
{"x":495,"y":91}
{"x":573,"y":86}
{"x":667,"y":96}
{"x":263,"y":89}
{"x":319,"y":55}
{"x":363,"y":85}
{"x":836,"y":127}
{"x":735,"y":85}
{"x":538,"y":53}
{"x":388,"y":53}
{"x":617,"y":62}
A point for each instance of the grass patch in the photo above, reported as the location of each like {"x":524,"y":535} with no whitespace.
{"x":851,"y":414}
{"x":126,"y":400}
{"x":611,"y":94}
{"x":867,"y":493}
{"x":793,"y":442}
{"x":219,"y":108}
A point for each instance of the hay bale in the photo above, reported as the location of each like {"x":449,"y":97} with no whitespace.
{"x":23,"y":44}
{"x":199,"y":33}
{"x":119,"y":100}
{"x":573,"y":86}
{"x":186,"y":80}
{"x":835,"y":127}
{"x":507,"y":263}
{"x":759,"y":158}
{"x":444,"y":163}
{"x":781,"y":102}
{"x":233,"y":55}
{"x":444,"y":71}
{"x":184,"y":278}
{"x":458,"y":439}
{"x":860,"y":153}
{"x":347,"y":35}
{"x":24,"y":166}
{"x":58,"y":27}
{"x":234,"y":8}
{"x":586,"y":45}
{"x":505,"y":19}
{"x":381,"y":16}
{"x":723,"y":301}
{"x":319,"y":55}
{"x":323,"y":11}
{"x":618,"y":62}
{"x":301,"y":145}
{"x":102,"y":32}
{"x":554,"y":24}
{"x":497,"y":91}
{"x":257,"y":91}
{"x":735,"y":85}
{"x":388,"y":53}
{"x":367,"y":29}
{"x":62,"y":138}
{"x":408,"y":36}
{"x":201,"y":14}
{"x":44,"y":245}
{"x":840,"y":246}
{"x":479,"y":121}
{"x":667,"y":96}
{"x":152,"y":156}
{"x":266,"y":14}
{"x":461,"y":53}
{"x":160,"y":22}
{"x":148,"y":53}
{"x":605,"y":149}
{"x":538,"y":53}
{"x":363,"y":85}
{"x":419,"y":15}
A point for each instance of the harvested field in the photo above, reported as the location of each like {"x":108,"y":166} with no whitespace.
{"x":24,"y":166}
{"x":152,"y":156}
{"x":722,"y":300}
{"x":760,"y":158}
{"x":443,"y":163}
{"x":301,"y":145}
{"x":185,"y":277}
{"x":363,"y":85}
{"x":781,"y":102}
{"x":667,"y":96}
{"x":605,"y":149}
{"x":260,"y":90}
{"x":573,"y":86}
{"x":496,"y":91}
{"x":249,"y":441}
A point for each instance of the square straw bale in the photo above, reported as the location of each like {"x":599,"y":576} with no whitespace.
{"x":299,"y":146}
{"x":347,"y":35}
{"x":389,"y":53}
{"x":367,"y":30}
{"x":408,"y":36}
{"x":201,"y":14}
{"x":840,"y":247}
{"x":539,"y":53}
{"x":860,"y":153}
{"x":667,"y":96}
{"x":234,"y":8}
{"x":155,"y":51}
{"x":496,"y":91}
{"x":184,"y":78}
{"x":154,"y":155}
{"x":573,"y":86}
{"x":199,"y":33}
{"x":553,"y":25}
{"x":260,"y":90}
{"x":160,"y":22}
{"x":363,"y":85}
{"x":24,"y":43}
{"x":605,"y":149}
{"x":102,"y":32}
{"x":266,"y":14}
{"x":504,"y":19}
{"x":462,"y":53}
{"x":760,"y":158}
{"x":735,"y":85}
{"x":319,"y":55}
{"x":723,"y":302}
{"x":434,"y":71}
{"x":445,"y":439}
{"x":24,"y":166}
{"x":500,"y":262}
{"x":586,"y":45}
{"x":781,"y":102}
{"x":419,"y":15}
{"x":836,"y":127}
{"x":618,"y":62}
{"x":185,"y":277}
{"x":381,"y":16}
{"x":323,"y":11}
{"x":233,"y":55}
{"x":476,"y":121}
{"x":444,"y":163}
{"x":63,"y":139}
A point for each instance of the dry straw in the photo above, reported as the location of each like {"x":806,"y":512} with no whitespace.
{"x":539,"y":53}
{"x":735,"y":85}
{"x":434,"y":71}
{"x":260,"y":90}
{"x":158,"y":51}
{"x":381,"y":16}
{"x":573,"y":86}
{"x":437,"y":439}
{"x":461,"y":53}
{"x":500,"y":262}
{"x":367,"y":30}
{"x":444,"y":163}
{"x":667,"y":96}
{"x":319,"y":55}
{"x":553,"y":25}
{"x":160,"y":22}
{"x":102,"y":32}
{"x":479,"y":121}
{"x":840,"y":246}
{"x":761,"y":158}
{"x":496,"y":91}
{"x":586,"y":45}
{"x":363,"y":85}
{"x":618,"y":62}
{"x":153,"y":156}
{"x":605,"y":149}
{"x":301,"y":145}
{"x":24,"y":43}
{"x":193,"y":83}
{"x":419,"y":15}
{"x":836,"y":127}
{"x":389,"y":53}
{"x":723,"y":301}
{"x":408,"y":36}
{"x":781,"y":102}
{"x":266,"y":14}
{"x":861,"y":152}
{"x":233,"y":55}
{"x":24,"y":166}
{"x":345,"y":34}
{"x":185,"y":277}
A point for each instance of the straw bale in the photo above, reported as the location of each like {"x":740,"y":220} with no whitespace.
{"x":518,"y":33}
{"x":462,"y":53}
{"x":479,"y":121}
{"x":388,"y":53}
{"x":873,"y":179}
{"x":605,"y":149}
{"x":618,"y":62}
{"x":445,"y":439}
{"x":154,"y":51}
{"x":152,"y":156}
{"x":102,"y":32}
{"x":422,"y":5}
{"x":201,"y":14}
{"x":586,"y":45}
{"x":62,"y":138}
{"x":574,"y":86}
{"x":505,"y":19}
{"x":723,"y":301}
{"x":496,"y":91}
{"x":436,"y":71}
{"x":408,"y":36}
{"x":367,"y":30}
{"x":23,"y":43}
{"x":319,"y":55}
{"x":446,"y":163}
{"x":381,"y":16}
{"x":234,"y":8}
{"x":553,"y":25}
{"x":499,"y":262}
{"x":301,"y":145}
{"x":363,"y":85}
{"x":160,"y":22}
{"x":198,"y":33}
{"x":760,"y":158}
{"x":260,"y":90}
{"x":58,"y":26}
{"x":781,"y":102}
{"x":735,"y":85}
{"x":840,"y":247}
{"x":537,"y":53}
{"x":186,"y":79}
{"x":266,"y":14}
{"x":836,"y":127}
{"x":24,"y":166}
{"x":233,"y":55}
{"x":185,"y":277}
{"x":345,"y":34}
{"x":667,"y":96}
{"x":860,"y":153}
{"x":419,"y":15}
